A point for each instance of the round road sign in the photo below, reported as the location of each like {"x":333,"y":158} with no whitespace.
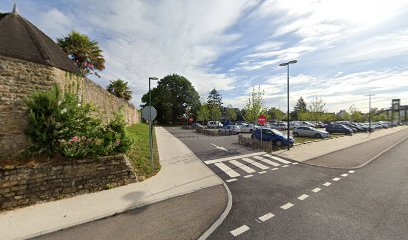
{"x":261,"y":119}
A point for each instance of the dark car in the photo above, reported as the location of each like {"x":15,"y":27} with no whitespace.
{"x":196,"y":125}
{"x":273,"y":135}
{"x":339,"y":128}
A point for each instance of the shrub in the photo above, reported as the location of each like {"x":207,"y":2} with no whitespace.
{"x":63,"y":125}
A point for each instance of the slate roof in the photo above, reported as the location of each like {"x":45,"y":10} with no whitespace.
{"x":21,"y":39}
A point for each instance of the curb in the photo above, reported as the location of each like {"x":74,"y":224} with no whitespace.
{"x":359,"y":166}
{"x":223,"y":216}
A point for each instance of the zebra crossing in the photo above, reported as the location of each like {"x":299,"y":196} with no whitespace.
{"x":248,"y":164}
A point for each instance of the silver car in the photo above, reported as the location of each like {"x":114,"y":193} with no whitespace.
{"x":309,"y":132}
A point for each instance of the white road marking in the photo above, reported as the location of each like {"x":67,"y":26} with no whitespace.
{"x":262,"y":172}
{"x":227,"y":170}
{"x":233,"y":157}
{"x":344,"y":175}
{"x":287,"y":206}
{"x":352,"y":171}
{"x":267,"y":161}
{"x":266,"y":217}
{"x":327,"y":184}
{"x":285,"y":166}
{"x":303,"y":197}
{"x":232,"y":180}
{"x":248,"y":176}
{"x":218,"y":147}
{"x":336,"y":179}
{"x":239,"y":230}
{"x":277,"y":159}
{"x":242,"y":166}
{"x":257,"y":164}
{"x":316,"y":190}
{"x":274,"y":169}
{"x":295,"y":163}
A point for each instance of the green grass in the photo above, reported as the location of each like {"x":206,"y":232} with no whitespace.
{"x":139,"y":154}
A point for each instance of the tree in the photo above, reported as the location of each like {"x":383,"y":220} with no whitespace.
{"x":275,"y":113}
{"x":120,"y":89}
{"x":300,"y":107}
{"x":231,"y":113}
{"x":317,"y":108}
{"x":254,"y":105}
{"x":204,"y":112}
{"x":85,"y":53}
{"x":174,"y":97}
{"x":355,"y":114}
{"x":214,"y":99}
{"x":215,"y":113}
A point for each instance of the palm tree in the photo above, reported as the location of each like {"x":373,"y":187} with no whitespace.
{"x":120,"y":89}
{"x":85,"y":54}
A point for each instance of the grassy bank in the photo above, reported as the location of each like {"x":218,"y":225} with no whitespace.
{"x":139,"y":154}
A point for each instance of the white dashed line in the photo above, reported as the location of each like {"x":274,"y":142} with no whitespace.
{"x":344,"y":175}
{"x":262,"y":172}
{"x":274,"y":169}
{"x":248,"y":176}
{"x":285,"y":166}
{"x":239,"y":230}
{"x":295,"y":163}
{"x":327,"y":184}
{"x":266,"y":217}
{"x":232,"y":180}
{"x":352,"y":171}
{"x":287,"y":206}
{"x":316,"y":190}
{"x":303,"y":197}
{"x":336,"y":179}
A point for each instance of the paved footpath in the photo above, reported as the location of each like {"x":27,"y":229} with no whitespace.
{"x":306,"y":152}
{"x":181,"y":173}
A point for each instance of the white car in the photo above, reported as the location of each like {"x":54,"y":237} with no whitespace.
{"x":214,"y":124}
{"x":246,"y":128}
{"x":279,"y":126}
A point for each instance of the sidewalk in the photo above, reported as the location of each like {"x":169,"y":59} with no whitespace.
{"x":182,"y":172}
{"x":306,"y":152}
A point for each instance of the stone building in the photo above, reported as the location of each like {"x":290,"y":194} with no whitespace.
{"x":31,"y":61}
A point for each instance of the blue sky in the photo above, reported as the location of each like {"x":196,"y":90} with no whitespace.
{"x":345,"y":49}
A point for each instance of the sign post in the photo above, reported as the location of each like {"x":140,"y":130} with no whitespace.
{"x":261,"y":120}
{"x":149,"y":113}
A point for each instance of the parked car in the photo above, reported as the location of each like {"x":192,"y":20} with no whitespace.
{"x":279,"y":126}
{"x":245,"y":127}
{"x":269,"y":134}
{"x":196,"y":125}
{"x":214,"y":124}
{"x":310,"y":132}
{"x":306,"y":124}
{"x":233,"y":128}
{"x":339,"y":128}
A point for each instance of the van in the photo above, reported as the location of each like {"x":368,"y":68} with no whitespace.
{"x":214,"y":124}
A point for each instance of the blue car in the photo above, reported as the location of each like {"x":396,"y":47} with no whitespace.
{"x":273,"y":135}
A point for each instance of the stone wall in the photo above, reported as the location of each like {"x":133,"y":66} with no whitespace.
{"x":22,"y":186}
{"x":19,"y":78}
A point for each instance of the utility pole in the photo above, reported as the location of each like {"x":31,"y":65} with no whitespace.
{"x":369,"y":110}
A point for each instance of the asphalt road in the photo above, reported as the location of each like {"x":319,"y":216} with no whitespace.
{"x":184,"y":217}
{"x":370,"y":203}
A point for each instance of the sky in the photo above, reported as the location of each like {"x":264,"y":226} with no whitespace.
{"x":345,"y":49}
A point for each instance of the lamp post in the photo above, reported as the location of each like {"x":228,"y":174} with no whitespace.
{"x":369,"y":111}
{"x":150,"y":123}
{"x":282,"y":65}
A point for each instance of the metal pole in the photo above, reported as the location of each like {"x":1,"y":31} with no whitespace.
{"x":288,"y":111}
{"x":150,"y":128}
{"x":369,"y":112}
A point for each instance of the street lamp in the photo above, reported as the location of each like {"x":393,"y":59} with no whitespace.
{"x":369,"y":111}
{"x":150,"y":123}
{"x":282,"y":65}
